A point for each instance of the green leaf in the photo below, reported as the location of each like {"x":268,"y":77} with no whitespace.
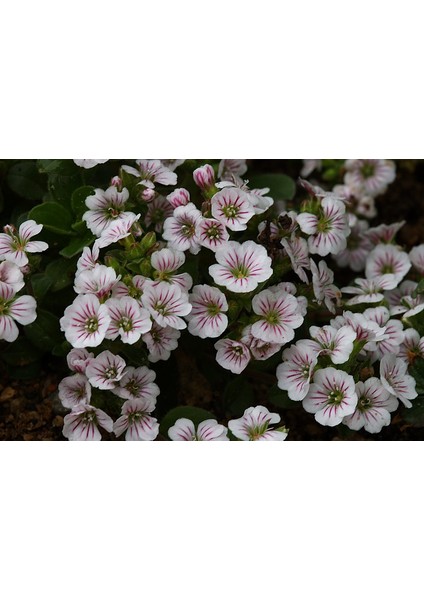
{"x":415,"y":415}
{"x":195,"y":414}
{"x":41,"y":284}
{"x":280,"y":398}
{"x":44,"y":332}
{"x":54,"y":217}
{"x":61,"y":272}
{"x":20,"y":353}
{"x":238,"y":395}
{"x":57,"y":166}
{"x":281,"y":186}
{"x":77,"y":245}
{"x":417,"y":372}
{"x":419,"y":289}
{"x":24,"y":179}
{"x":78,"y":199}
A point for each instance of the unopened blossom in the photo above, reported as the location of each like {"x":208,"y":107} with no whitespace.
{"x":357,"y":249}
{"x":386,"y":259}
{"x":98,"y":281}
{"x":294,"y":374}
{"x":366,"y":207}
{"x":105,"y":370}
{"x":241,"y":267}
{"x":85,"y":321}
{"x":384,"y":234}
{"x":416,"y":257}
{"x":160,"y":342}
{"x":212,"y":234}
{"x":395,"y":378}
{"x":204,"y":177}
{"x":259,"y":200}
{"x":14,"y":245}
{"x":182,"y":229}
{"x":207,"y":318}
{"x":254,"y":426}
{"x":369,"y":176}
{"x":210,"y":430}
{"x":335,"y":343}
{"x":231,"y":206}
{"x":166,"y":262}
{"x":127,"y":320}
{"x":331,"y":396}
{"x":21,"y":309}
{"x":232,"y":355}
{"x":151,"y":172}
{"x":369,"y":291}
{"x":179,"y":197}
{"x":167,"y":303}
{"x":88,"y":259}
{"x":137,"y":422}
{"x":374,"y":406}
{"x":279,"y":317}
{"x":403,"y":299}
{"x":82,"y":423}
{"x":328,"y":230}
{"x":231,"y":166}
{"x":12,"y":275}
{"x":137,"y":383}
{"x":259,"y":349}
{"x":324,"y":289}
{"x":297,"y":251}
{"x":89,"y":163}
{"x":158,"y":210}
{"x":74,"y":390}
{"x":78,"y":359}
{"x":412,"y":346}
{"x":393,"y":332}
{"x":118,"y":230}
{"x":105,"y":207}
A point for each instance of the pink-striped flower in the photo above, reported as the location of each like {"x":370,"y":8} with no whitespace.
{"x":231,"y":206}
{"x":358,"y":247}
{"x":159,"y":209}
{"x":387,"y":259}
{"x":369,"y":291}
{"x":204,"y":177}
{"x":416,"y":256}
{"x":14,"y":245}
{"x":127,"y":320}
{"x":366,"y":330}
{"x":118,"y":230}
{"x":182,"y":229}
{"x":105,"y":371}
{"x":82,"y":423}
{"x":89,"y":163}
{"x":21,"y":309}
{"x":412,"y":346}
{"x":294,"y":374}
{"x":85,"y":321}
{"x":327,"y":231}
{"x":369,"y":176}
{"x":151,"y":172}
{"x":402,"y":299}
{"x":393,"y":332}
{"x":297,"y":251}
{"x":279,"y":314}
{"x":167,"y":303}
{"x":166,"y":262}
{"x":137,"y":384}
{"x":232,"y":355}
{"x":331,"y":396}
{"x":254,"y":426}
{"x":212,"y":234}
{"x":135,"y":288}
{"x":160,"y":342}
{"x":207,"y":318}
{"x":335,"y":343}
{"x":324,"y":289}
{"x":136,"y":421}
{"x":231,"y":166}
{"x":74,"y":390}
{"x":384,"y":234}
{"x":78,"y":359}
{"x":394,"y":377}
{"x":374,"y":406}
{"x":105,"y":207}
{"x":11,"y":274}
{"x":179,"y":197}
{"x":210,"y":430}
{"x":241,"y":267}
{"x":98,"y":281}
{"x":87,"y":260}
{"x":259,"y":349}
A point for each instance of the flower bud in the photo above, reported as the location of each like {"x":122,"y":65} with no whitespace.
{"x":147,"y":195}
{"x":204,"y":178}
{"x":179,"y":197}
{"x":117,"y":182}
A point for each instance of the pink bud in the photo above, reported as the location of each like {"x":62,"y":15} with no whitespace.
{"x":179,"y":197}
{"x":147,"y":195}
{"x":204,"y":177}
{"x":117,"y":182}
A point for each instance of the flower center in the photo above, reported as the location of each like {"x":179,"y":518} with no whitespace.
{"x":135,"y":416}
{"x":213,"y":310}
{"x":125,"y":323}
{"x":88,"y":417}
{"x":272,"y":317}
{"x":187,"y":230}
{"x":160,"y":308}
{"x":323,"y":225}
{"x":213,"y":232}
{"x":240,"y":272}
{"x":230,"y":211}
{"x":364,"y":403}
{"x":335,"y":397}
{"x":91,"y":325}
{"x":113,"y":212}
{"x":367,"y":171}
{"x":111,"y":373}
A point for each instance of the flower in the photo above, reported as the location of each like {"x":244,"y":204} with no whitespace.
{"x":416,"y":256}
{"x":369,"y":291}
{"x":394,"y":377}
{"x":78,"y":359}
{"x":184,"y":430}
{"x":160,"y":342}
{"x":118,"y":230}
{"x":14,"y":246}
{"x":401,"y":299}
{"x":366,"y":329}
{"x":327,"y":231}
{"x":331,"y":396}
{"x":136,"y":421}
{"x":335,"y":343}
{"x":159,"y":209}
{"x":167,"y":303}
{"x":232,"y":355}
{"x":241,"y":267}
{"x":369,"y":176}
{"x":310,"y":165}
{"x":11,"y":274}
{"x":357,"y":248}
{"x":393,"y":332}
{"x":182,"y":229}
{"x":280,"y":317}
{"x":105,"y":370}
{"x":412,"y":346}
{"x":259,"y":349}
{"x":89,"y":163}
{"x":98,"y":281}
{"x":294,"y":374}
{"x":231,"y":206}
{"x":204,"y":177}
{"x":127,"y":319}
{"x":105,"y":207}
{"x":151,"y":172}
{"x":387,"y":259}
{"x":137,"y":384}
{"x":212,"y":234}
{"x":207,"y":318}
{"x":85,"y":321}
{"x":166,"y":262}
{"x":74,"y":390}
{"x":179,"y":197}
{"x":21,"y":309}
{"x":231,"y":166}
{"x":254,"y":426}
{"x":88,"y":259}
{"x":384,"y":234}
{"x":375,"y":404}
{"x":297,"y":251}
{"x":324,"y":289}
{"x":81,"y":424}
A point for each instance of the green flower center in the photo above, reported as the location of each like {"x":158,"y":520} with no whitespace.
{"x":125,"y":323}
{"x":272,"y":317}
{"x":367,"y":171}
{"x":91,"y":325}
{"x":213,"y":310}
{"x":230,"y":211}
{"x":335,"y":397}
{"x":213,"y":232}
{"x":240,"y":272}
{"x":111,"y":373}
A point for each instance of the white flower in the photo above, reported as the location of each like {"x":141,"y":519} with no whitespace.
{"x":232,"y":355}
{"x":182,"y":229}
{"x":85,"y":322}
{"x":279,"y":314}
{"x":119,"y":229}
{"x":369,"y":291}
{"x":384,"y":234}
{"x":335,"y":343}
{"x":11,"y":274}
{"x":394,"y":377}
{"x":416,"y":257}
{"x":21,"y":309}
{"x":294,"y":374}
{"x":74,"y":390}
{"x":358,"y":247}
{"x":374,"y":407}
{"x":231,"y":206}
{"x":241,"y":267}
{"x":366,"y":329}
{"x":207,"y":318}
{"x":137,"y":384}
{"x":105,"y":207}
{"x":369,"y":176}
{"x":297,"y":251}
{"x":15,"y":245}
{"x":212,"y":234}
{"x":310,"y":165}
{"x":387,"y":259}
{"x":207,"y":431}
{"x":89,"y":163}
{"x":105,"y":370}
{"x":331,"y":396}
{"x":401,"y":299}
{"x":127,"y":319}
{"x":78,"y":359}
{"x":327,"y":231}
{"x":98,"y":281}
{"x":231,"y":166}
{"x":393,"y":332}
{"x":151,"y":172}
{"x":254,"y":426}
{"x":160,"y":342}
{"x":81,"y":424}
{"x":166,"y":262}
{"x":259,"y":349}
{"x":167,"y":303}
{"x":136,"y":421}
{"x":159,"y":209}
{"x":324,"y":289}
{"x":204,"y":177}
{"x":412,"y":346}
{"x":87,"y":260}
